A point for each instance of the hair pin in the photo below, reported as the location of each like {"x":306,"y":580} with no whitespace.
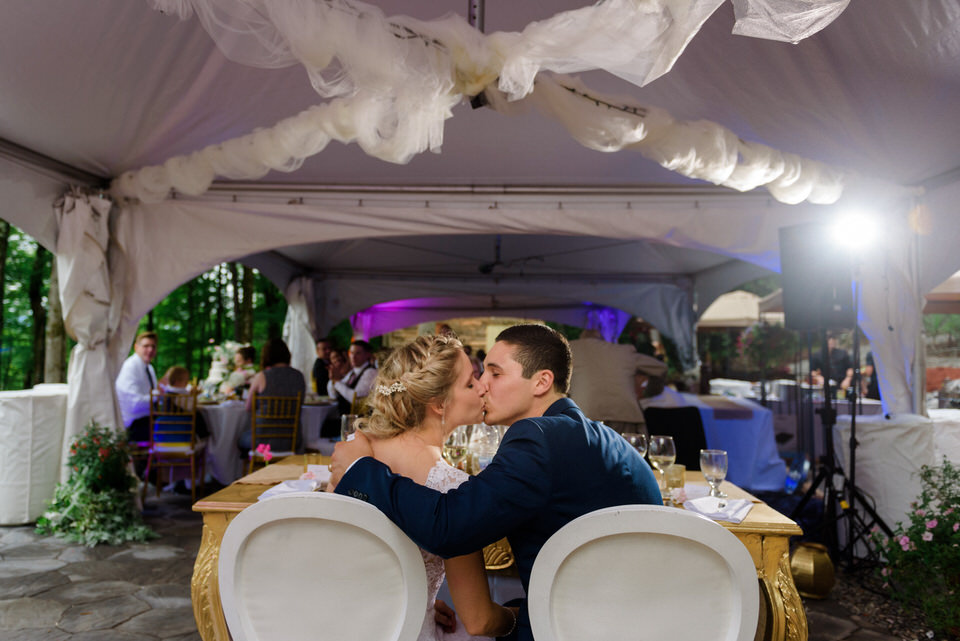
{"x":387,"y":390}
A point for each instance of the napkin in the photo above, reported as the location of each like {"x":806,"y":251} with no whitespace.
{"x":287,"y":487}
{"x":733,"y":511}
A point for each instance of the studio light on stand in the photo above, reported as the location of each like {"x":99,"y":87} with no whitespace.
{"x":817,"y":263}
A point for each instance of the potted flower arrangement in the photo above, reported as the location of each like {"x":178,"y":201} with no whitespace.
{"x":97,"y":503}
{"x":922,"y":558}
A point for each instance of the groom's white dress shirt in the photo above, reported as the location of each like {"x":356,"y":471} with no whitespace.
{"x":133,"y":388}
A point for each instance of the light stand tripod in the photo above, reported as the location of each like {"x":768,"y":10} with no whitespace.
{"x":848,"y":497}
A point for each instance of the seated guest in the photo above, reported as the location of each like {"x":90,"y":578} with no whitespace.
{"x":320,"y":366}
{"x":176,"y":380}
{"x":276,"y":378}
{"x":424,"y":390}
{"x":358,"y":381}
{"x":243,"y":371}
{"x":136,"y":380}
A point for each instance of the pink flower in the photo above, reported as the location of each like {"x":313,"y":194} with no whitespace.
{"x":932,"y":523}
{"x":948,"y":511}
{"x":921,"y":512}
{"x":904,"y":543}
{"x":927,"y":536}
{"x":885,"y":572}
{"x":264,"y":450}
{"x":956,"y":526}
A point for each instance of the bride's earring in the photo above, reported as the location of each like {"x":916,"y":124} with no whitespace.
{"x":443,"y":418}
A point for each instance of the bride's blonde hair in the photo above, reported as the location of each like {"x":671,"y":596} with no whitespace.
{"x":413,"y":376}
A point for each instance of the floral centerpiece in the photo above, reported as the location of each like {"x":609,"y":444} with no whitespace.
{"x":923,"y":556}
{"x":97,"y":503}
{"x":767,"y":347}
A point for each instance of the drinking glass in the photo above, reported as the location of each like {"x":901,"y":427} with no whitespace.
{"x":484,"y":441}
{"x":455,"y":447}
{"x":348,"y":425}
{"x":638,"y":441}
{"x":662,"y":454}
{"x":713,"y":464}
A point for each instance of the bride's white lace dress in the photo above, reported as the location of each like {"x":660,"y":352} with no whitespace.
{"x":442,"y":477}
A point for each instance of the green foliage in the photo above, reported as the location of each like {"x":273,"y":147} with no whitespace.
{"x":187,"y":323}
{"x":97,"y":503}
{"x":762,"y":286}
{"x":923,"y":556}
{"x":16,"y":343}
{"x":768,"y":347}
{"x":937,"y":325}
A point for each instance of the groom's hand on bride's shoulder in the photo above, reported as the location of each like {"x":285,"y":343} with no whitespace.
{"x":345,"y":453}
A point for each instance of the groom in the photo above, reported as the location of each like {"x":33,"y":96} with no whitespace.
{"x":553,"y":465}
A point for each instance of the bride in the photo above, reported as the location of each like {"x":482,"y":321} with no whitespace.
{"x":423,"y":391}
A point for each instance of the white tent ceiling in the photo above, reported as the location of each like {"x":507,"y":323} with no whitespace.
{"x":106,"y":86}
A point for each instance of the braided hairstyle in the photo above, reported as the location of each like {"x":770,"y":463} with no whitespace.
{"x":427,"y":368}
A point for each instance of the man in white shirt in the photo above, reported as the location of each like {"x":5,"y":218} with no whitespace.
{"x":136,"y":380}
{"x":358,"y":382}
{"x":603,"y":381}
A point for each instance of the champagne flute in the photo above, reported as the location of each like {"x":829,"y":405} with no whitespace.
{"x":662,"y":454}
{"x":638,"y":441}
{"x":455,"y":447}
{"x":713,"y":464}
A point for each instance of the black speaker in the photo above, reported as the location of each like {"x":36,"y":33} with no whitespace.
{"x":816,"y":275}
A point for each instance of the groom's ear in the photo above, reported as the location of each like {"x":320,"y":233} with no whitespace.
{"x":542,"y":382}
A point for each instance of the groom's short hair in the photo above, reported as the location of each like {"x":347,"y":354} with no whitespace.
{"x":539,"y":347}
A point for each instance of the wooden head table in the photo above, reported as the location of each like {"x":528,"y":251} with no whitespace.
{"x":765,"y":532}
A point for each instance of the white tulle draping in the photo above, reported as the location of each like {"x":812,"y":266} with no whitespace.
{"x":394,"y":80}
{"x":700,"y":149}
{"x":299,"y":327}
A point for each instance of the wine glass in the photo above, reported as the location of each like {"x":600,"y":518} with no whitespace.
{"x":348,"y":425}
{"x":662,"y":454}
{"x":455,"y":447}
{"x":713,"y":464}
{"x":484,"y":441}
{"x":638,"y":441}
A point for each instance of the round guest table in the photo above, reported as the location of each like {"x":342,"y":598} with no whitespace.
{"x":31,"y":440}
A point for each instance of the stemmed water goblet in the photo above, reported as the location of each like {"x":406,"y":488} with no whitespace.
{"x":484,"y":441}
{"x":662,"y":453}
{"x":713,"y":464}
{"x":637,"y":440}
{"x":455,"y":447}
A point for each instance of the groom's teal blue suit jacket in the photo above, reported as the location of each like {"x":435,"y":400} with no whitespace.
{"x":548,"y":471}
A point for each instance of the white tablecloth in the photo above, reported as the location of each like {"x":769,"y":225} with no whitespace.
{"x":890,"y":453}
{"x":946,"y":434}
{"x":31,"y":439}
{"x":228,"y":419}
{"x":748,"y":438}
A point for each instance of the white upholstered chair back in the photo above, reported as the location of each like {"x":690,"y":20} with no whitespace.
{"x":320,"y":566}
{"x":643,"y":572}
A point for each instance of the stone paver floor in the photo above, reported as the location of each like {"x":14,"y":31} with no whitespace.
{"x":51,"y":590}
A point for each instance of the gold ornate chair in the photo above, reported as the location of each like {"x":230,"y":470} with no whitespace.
{"x":173,"y":438}
{"x":274,"y":420}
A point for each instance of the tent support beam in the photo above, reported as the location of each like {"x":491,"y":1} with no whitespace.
{"x":49,"y":166}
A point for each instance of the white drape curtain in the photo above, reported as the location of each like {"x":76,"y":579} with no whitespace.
{"x":92,"y":305}
{"x":394,"y":81}
{"x":299,"y":327}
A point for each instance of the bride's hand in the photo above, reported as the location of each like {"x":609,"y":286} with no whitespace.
{"x":445,"y":617}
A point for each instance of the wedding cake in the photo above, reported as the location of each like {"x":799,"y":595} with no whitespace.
{"x":219,"y":370}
